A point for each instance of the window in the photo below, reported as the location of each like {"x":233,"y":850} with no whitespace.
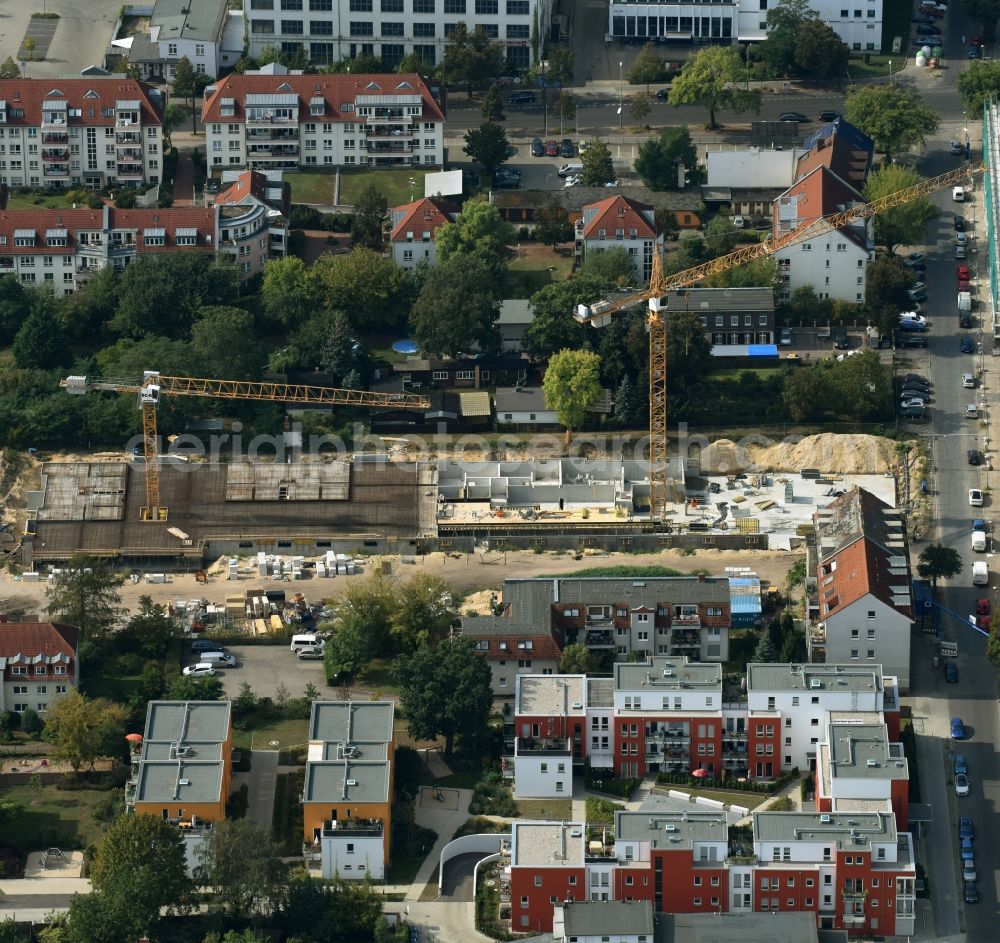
{"x":392,"y":29}
{"x":261,"y":4}
{"x":361,"y":6}
{"x":318,"y":6}
{"x":538,"y":877}
{"x":454,"y":6}
{"x":172,"y":49}
{"x":487,"y":7}
{"x":292,"y":27}
{"x":321,"y":28}
{"x":518,"y":7}
{"x":423,"y":30}
{"x":522,"y":31}
{"x":291,"y":4}
{"x":423,"y":6}
{"x":41,"y":670}
{"x":854,"y":653}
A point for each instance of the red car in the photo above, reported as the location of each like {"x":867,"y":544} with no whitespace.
{"x":963,"y":272}
{"x":551,"y":148}
{"x":983,"y":622}
{"x":982,"y":607}
{"x":963,"y":285}
{"x":976,"y":41}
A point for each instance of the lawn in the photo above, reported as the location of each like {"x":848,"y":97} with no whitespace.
{"x":394,"y":185}
{"x":410,"y":846}
{"x":378,"y":677}
{"x":52,"y":817}
{"x":312,"y":187}
{"x":287,"y":733}
{"x":534,"y":268}
{"x":552,"y":810}
{"x":763,"y":373}
{"x":747,"y":800}
{"x":35,"y":201}
{"x":877,"y":65}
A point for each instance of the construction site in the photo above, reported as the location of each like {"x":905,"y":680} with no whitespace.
{"x":378,"y":504}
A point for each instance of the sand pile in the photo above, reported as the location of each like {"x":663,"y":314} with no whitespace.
{"x":830,"y":453}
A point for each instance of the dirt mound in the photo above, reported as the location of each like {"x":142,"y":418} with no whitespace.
{"x":829,"y":452}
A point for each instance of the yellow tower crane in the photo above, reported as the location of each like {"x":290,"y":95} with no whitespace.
{"x":600,"y":313}
{"x":153,"y":385}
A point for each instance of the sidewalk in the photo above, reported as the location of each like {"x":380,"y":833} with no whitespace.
{"x":184,"y":179}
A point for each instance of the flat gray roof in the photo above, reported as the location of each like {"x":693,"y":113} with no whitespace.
{"x":846,"y":830}
{"x":184,"y":721}
{"x":548,"y":844}
{"x":179,"y":781}
{"x":350,"y":781}
{"x":600,"y":692}
{"x":551,"y":694}
{"x":352,"y":721}
{"x":712,"y":300}
{"x":663,"y":673}
{"x":671,"y":829}
{"x":788,"y":927}
{"x":607,"y":917}
{"x":184,"y":19}
{"x":862,"y":751}
{"x":796,"y":677}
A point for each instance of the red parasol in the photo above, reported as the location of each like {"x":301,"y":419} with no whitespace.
{"x":134,"y":737}
{"x":700,"y":773}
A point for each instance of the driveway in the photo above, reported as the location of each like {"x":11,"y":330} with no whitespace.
{"x":264,"y":667}
{"x":457,"y":880}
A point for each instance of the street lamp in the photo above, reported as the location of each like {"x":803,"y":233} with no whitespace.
{"x":621,"y":94}
{"x":890,"y":72}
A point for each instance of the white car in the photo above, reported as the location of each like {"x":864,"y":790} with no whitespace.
{"x":971,"y":412}
{"x":961,"y":784}
{"x":961,"y":238}
{"x":919,"y":286}
{"x":573,"y":181}
{"x":611,"y":183}
{"x":959,"y":252}
{"x":313,"y":653}
{"x":911,"y":316}
{"x":200,"y":670}
{"x":958,"y":194}
{"x":968,"y":381}
{"x":739,"y":222}
{"x":975,"y":498}
{"x":908,"y":402}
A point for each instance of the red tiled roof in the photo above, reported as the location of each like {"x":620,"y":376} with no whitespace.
{"x":74,"y":221}
{"x":89,"y":94}
{"x":618,"y":212}
{"x":426,"y":215}
{"x":820,"y":193}
{"x":37,"y":638}
{"x":542,"y":646}
{"x":336,"y":90}
{"x":249,"y":183}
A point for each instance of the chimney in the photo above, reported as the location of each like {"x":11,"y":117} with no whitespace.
{"x":701,"y":577}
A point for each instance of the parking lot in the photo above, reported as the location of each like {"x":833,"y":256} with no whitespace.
{"x":264,"y":667}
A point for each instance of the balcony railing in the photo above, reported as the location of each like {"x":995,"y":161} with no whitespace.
{"x":687,"y":618}
{"x":55,"y":137}
{"x":344,"y":828}
{"x":130,"y":171}
{"x":55,"y":170}
{"x":272,"y":134}
{"x":265,"y":120}
{"x":60,"y":154}
{"x":391,"y":131}
{"x":50,"y":120}
{"x":554,"y":746}
{"x":388,"y":114}
{"x":383,"y":147}
{"x":597,"y":639}
{"x":284,"y":150}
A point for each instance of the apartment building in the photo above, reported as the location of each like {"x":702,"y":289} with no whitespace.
{"x":38,"y":663}
{"x":348,"y":793}
{"x":850,"y":871}
{"x":327,"y":31}
{"x":70,"y":132}
{"x":674,"y":615}
{"x":730,"y":316}
{"x":859,"y":26}
{"x":414,"y":231}
{"x":861,"y":610}
{"x":620,"y":223}
{"x":267,"y":121}
{"x":667,"y":714}
{"x":801,"y":697}
{"x":61,"y":249}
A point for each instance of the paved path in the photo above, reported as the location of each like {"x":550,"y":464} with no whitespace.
{"x":260,"y":786}
{"x":184,"y":180}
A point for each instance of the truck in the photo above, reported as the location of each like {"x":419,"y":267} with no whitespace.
{"x":964,"y":302}
{"x":980,"y":574}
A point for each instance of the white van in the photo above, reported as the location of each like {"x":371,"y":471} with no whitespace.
{"x":980,"y":574}
{"x":218,"y":659}
{"x":567,"y":170}
{"x":306,"y":641}
{"x":979,"y":541}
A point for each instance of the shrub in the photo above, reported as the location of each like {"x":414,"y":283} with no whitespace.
{"x":130,"y":663}
{"x":783,"y":804}
{"x":31,"y":723}
{"x":125,"y":199}
{"x":110,"y":807}
{"x":492,"y":797}
{"x":611,"y":785}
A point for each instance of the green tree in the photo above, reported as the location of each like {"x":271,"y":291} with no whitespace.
{"x":886,"y":285}
{"x":240,"y":863}
{"x":189,"y":84}
{"x":894,"y":116}
{"x":338,"y":354}
{"x":647,"y":67}
{"x":575,"y":659}
{"x":224,"y":342}
{"x":764,"y":652}
{"x":552,"y":223}
{"x":783,"y":24}
{"x":186,"y":688}
{"x":370,"y":287}
{"x":819,"y":51}
{"x":85,"y":594}
{"x":83,"y":729}
{"x":553,"y":326}
{"x":492,"y":106}
{"x":31,"y":722}
{"x":348,"y":652}
{"x":472,"y":58}
{"x":630,"y":405}
{"x":445,"y":691}
{"x":487,"y":145}
{"x":983,"y":12}
{"x":369,"y":605}
{"x":424,"y":613}
{"x":173,"y":118}
{"x":711,"y":78}
{"x":993,"y":641}
{"x":140,"y":869}
{"x":572,"y":385}
{"x":598,"y":168}
{"x":639,"y":108}
{"x":288,"y":291}
{"x":565,"y":109}
{"x":689,"y":351}
{"x":561,"y":65}
{"x":857,"y":388}
{"x":152,"y":683}
{"x":29,"y":46}
{"x":15,"y":302}
{"x":978,"y":84}
{"x":368,"y":222}
{"x":41,"y":342}
{"x":9,"y":69}
{"x":937,"y":562}
{"x":613,"y":268}
{"x":720,"y":236}
{"x":480,"y":233}
{"x":457,"y":308}
{"x":901,"y":225}
{"x":150,"y":631}
{"x":659,"y":159}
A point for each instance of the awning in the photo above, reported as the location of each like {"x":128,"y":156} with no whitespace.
{"x":24,"y":234}
{"x":56,"y":233}
{"x":154,"y":232}
{"x":185,"y":232}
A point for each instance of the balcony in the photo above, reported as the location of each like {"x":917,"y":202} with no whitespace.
{"x":385,"y":147}
{"x":348,"y":828}
{"x":550,"y":746}
{"x":272,"y":134}
{"x":388,"y":114}
{"x":7,"y":263}
{"x":268,"y":120}
{"x":53,"y":119}
{"x":55,"y":170}
{"x":129,"y":171}
{"x":129,"y":152}
{"x":684,"y":637}
{"x":390,"y":131}
{"x":123,"y":138}
{"x":59,"y":154}
{"x":264,"y":151}
{"x":686,"y":619}
{"x":55,"y":137}
{"x":598,"y":639}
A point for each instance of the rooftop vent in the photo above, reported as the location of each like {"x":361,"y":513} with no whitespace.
{"x":825,"y":819}
{"x":352,"y":782}
{"x":183,"y":782}
{"x":815,"y":683}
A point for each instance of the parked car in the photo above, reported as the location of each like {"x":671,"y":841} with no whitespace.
{"x":965,"y":319}
{"x":982,"y":607}
{"x":965,"y":827}
{"x":912,"y":340}
{"x":218,"y":659}
{"x":958,"y":194}
{"x":914,"y":258}
{"x":573,"y":180}
{"x":971,"y":411}
{"x":205,"y":645}
{"x":968,"y":345}
{"x":968,"y":381}
{"x":566,"y":148}
{"x":200,"y":670}
{"x":951,"y":672}
{"x":785,"y":337}
{"x":970,"y":892}
{"x":961,"y":766}
{"x":537,"y":148}
{"x":962,"y":271}
{"x":975,"y":52}
{"x":959,"y":252}
{"x":966,"y":848}
{"x":969,"y":872}
{"x":975,"y":498}
{"x":912,"y":401}
{"x":793,"y":116}
{"x":961,"y":239}
{"x":840,"y":340}
{"x":919,"y":296}
{"x":961,"y":785}
{"x":957,"y":728}
{"x":917,"y":378}
{"x":829,"y":115}
{"x":312,"y":653}
{"x":959,"y":224}
{"x":662,"y":94}
{"x":521,"y":98}
{"x":956,"y":147}
{"x":551,"y":148}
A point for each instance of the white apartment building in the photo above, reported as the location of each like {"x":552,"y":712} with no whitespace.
{"x":284,"y":122}
{"x":859,"y":23}
{"x":74,"y":132}
{"x":414,"y":231}
{"x":331,"y":30}
{"x":38,"y":663}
